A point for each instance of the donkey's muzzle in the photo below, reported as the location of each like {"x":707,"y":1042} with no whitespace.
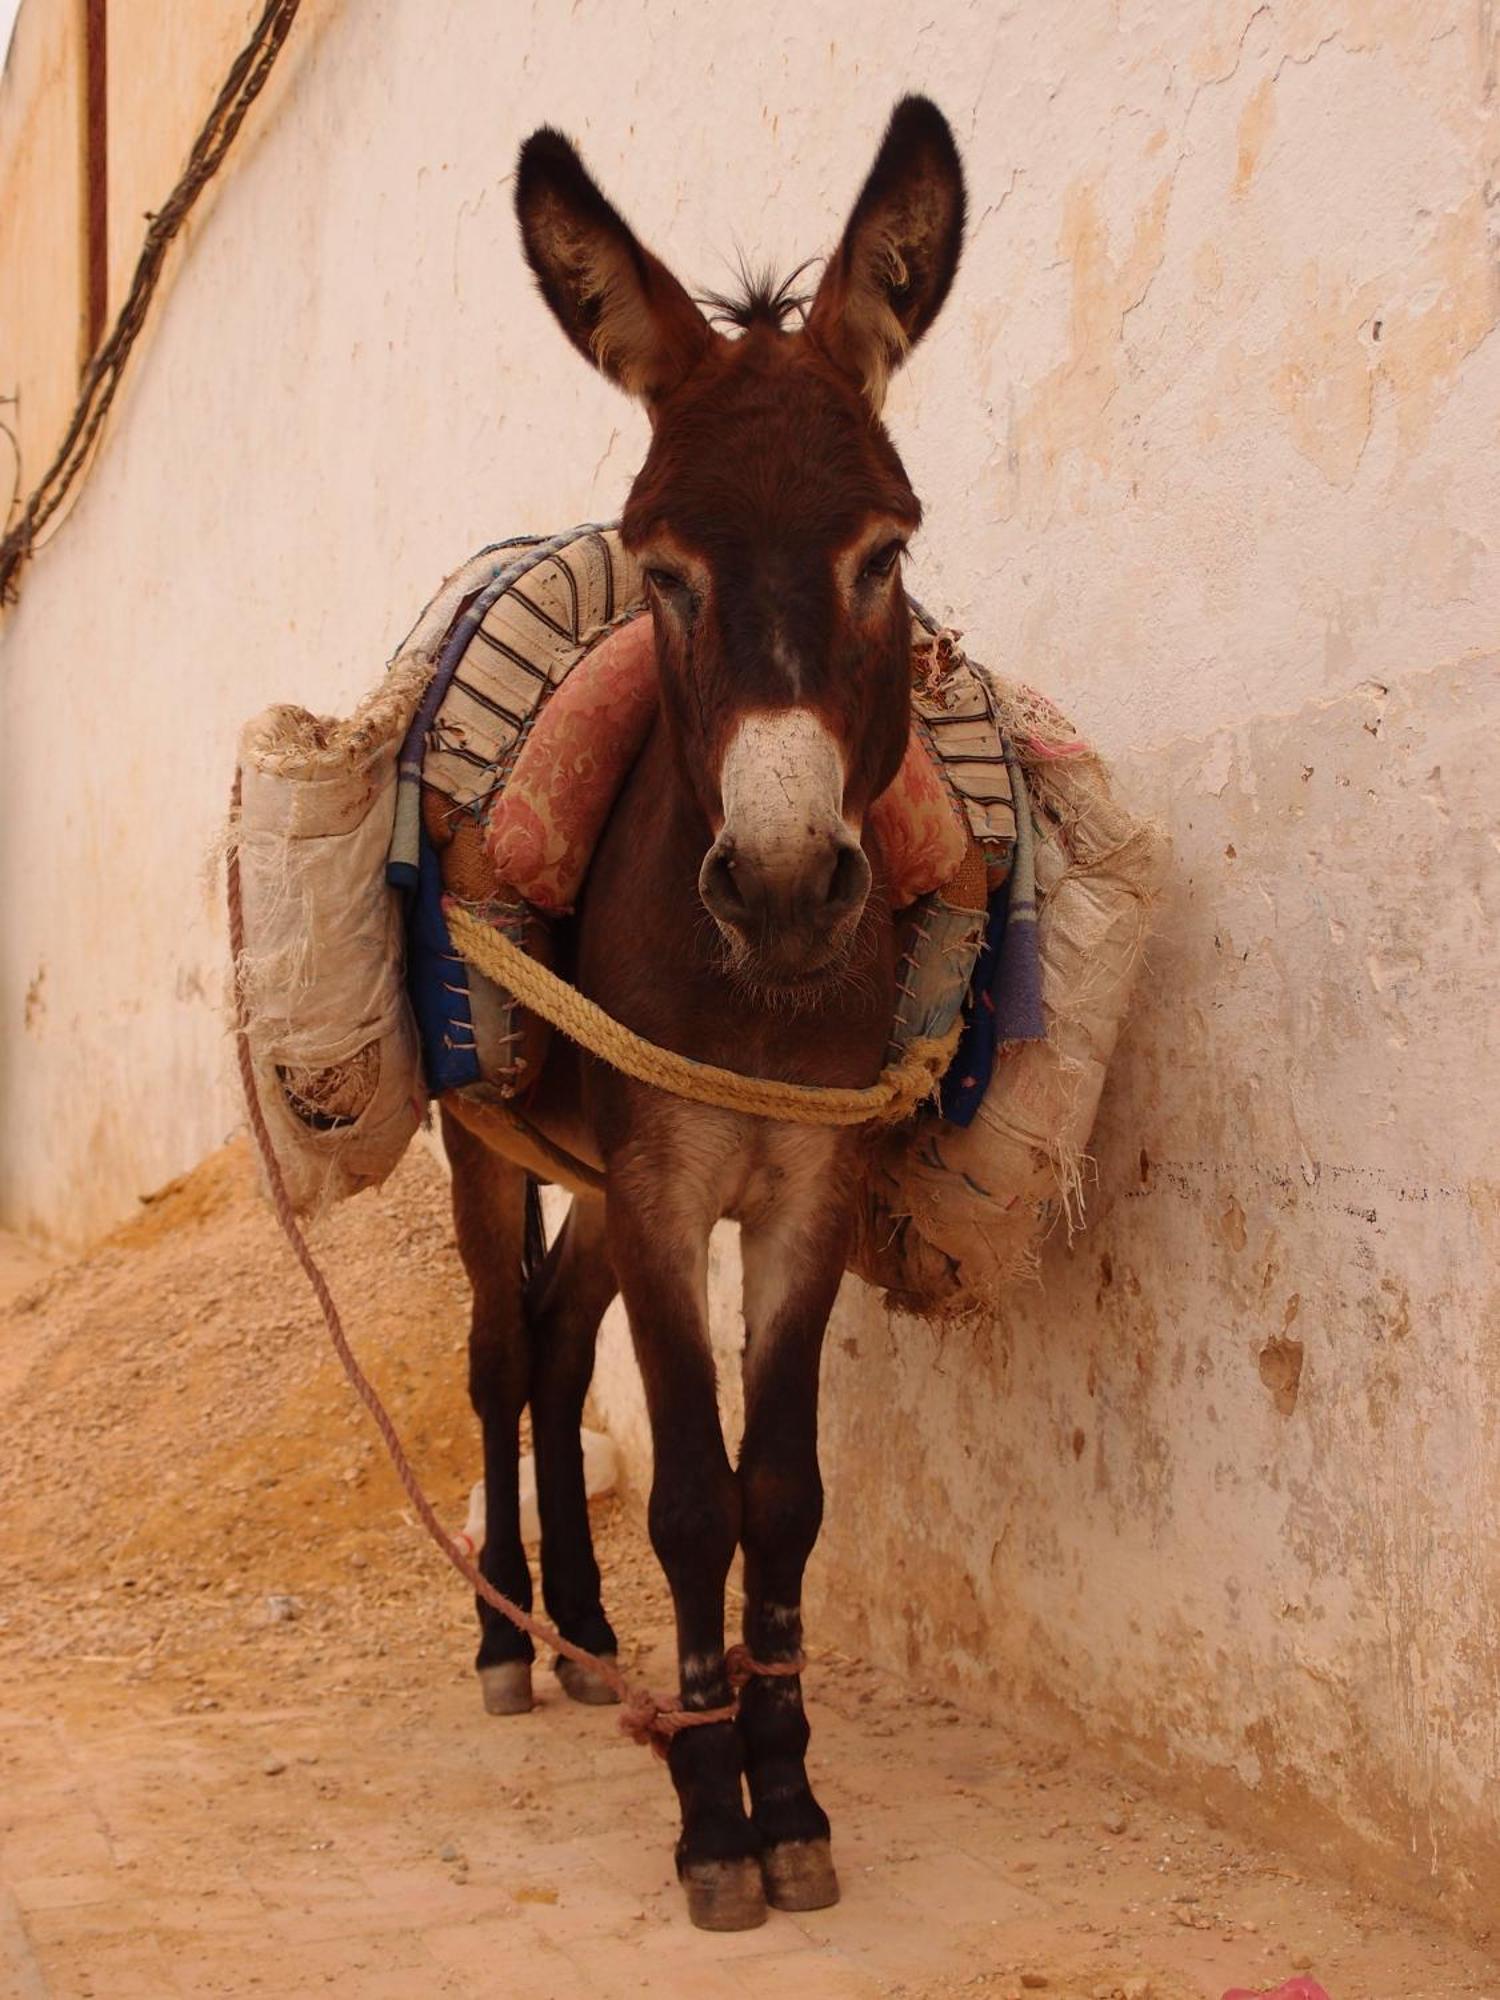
{"x":790,"y":915}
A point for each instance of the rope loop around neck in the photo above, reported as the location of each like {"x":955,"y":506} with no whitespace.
{"x":900,"y":1088}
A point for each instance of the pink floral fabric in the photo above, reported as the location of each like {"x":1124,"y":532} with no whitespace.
{"x":921,"y":831}
{"x":543,"y":830}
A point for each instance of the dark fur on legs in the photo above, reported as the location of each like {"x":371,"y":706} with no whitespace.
{"x":736,"y":913}
{"x":531,"y":1341}
{"x":564,"y":1303}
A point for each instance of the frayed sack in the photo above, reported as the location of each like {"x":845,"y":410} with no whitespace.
{"x":953,"y":1214}
{"x":322,"y":979}
{"x":330,"y":1030}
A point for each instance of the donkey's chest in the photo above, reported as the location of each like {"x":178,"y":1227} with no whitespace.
{"x":783,"y":1169}
{"x":709,"y":1165}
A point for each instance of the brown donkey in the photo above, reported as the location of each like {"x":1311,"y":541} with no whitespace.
{"x":735,"y":911}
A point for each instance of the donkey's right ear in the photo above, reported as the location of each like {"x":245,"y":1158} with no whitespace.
{"x":620,"y":306}
{"x":890,"y":275}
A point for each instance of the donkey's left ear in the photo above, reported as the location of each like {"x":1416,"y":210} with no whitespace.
{"x":891,"y":272}
{"x":618,"y":304}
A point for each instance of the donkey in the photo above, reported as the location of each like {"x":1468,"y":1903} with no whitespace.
{"x":736,"y":910}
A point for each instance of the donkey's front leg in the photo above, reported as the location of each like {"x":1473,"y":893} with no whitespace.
{"x":793,"y":1263}
{"x":662,"y":1262}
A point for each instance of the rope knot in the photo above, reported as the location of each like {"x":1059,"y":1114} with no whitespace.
{"x":741,"y":1667}
{"x":656,"y":1719}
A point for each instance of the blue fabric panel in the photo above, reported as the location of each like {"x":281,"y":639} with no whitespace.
{"x":438,"y":982}
{"x":1005,"y":1005}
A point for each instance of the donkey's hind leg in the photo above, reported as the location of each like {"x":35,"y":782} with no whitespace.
{"x":565,"y":1302}
{"x":489,"y":1218}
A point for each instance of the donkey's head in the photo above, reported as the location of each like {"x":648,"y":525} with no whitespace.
{"x":770,"y":517}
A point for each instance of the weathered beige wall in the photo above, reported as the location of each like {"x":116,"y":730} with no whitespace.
{"x":1238,"y":1456}
{"x":41,"y":239}
{"x":166,"y":61}
{"x":1207,"y":441}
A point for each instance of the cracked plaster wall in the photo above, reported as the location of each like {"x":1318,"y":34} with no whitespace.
{"x":1206,"y":438}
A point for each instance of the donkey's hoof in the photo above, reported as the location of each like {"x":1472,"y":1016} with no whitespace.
{"x":581,"y":1683}
{"x":725,"y":1895}
{"x":506,"y":1688}
{"x":799,"y":1875}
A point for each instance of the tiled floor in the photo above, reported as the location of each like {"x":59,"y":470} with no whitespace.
{"x":203,"y":1797}
{"x":421,"y":1849}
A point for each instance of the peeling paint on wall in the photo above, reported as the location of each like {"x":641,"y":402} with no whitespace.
{"x":1204,"y":440}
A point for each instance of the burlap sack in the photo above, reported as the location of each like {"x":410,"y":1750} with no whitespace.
{"x":332,"y":1040}
{"x":952,"y":1215}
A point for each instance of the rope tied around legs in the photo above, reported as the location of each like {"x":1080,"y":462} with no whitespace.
{"x":645,"y":1717}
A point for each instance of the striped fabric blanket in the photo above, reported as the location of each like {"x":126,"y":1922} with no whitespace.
{"x":550,"y":605}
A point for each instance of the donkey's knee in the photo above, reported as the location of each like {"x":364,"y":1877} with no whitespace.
{"x":782,"y":1511}
{"x":498,"y":1373}
{"x":694,"y":1518}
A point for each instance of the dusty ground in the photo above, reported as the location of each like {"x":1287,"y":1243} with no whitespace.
{"x":241,"y":1751}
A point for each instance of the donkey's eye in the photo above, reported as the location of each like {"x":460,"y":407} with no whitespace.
{"x":667,"y":581}
{"x":884,"y":560}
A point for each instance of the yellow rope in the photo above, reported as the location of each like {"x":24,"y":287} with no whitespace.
{"x":901,"y":1087}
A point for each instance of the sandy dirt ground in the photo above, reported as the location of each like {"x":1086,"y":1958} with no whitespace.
{"x":242,"y":1751}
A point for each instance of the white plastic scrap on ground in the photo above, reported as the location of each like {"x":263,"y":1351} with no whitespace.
{"x":601,"y":1471}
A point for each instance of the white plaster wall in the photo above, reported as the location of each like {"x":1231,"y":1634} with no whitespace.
{"x":1235,"y":1462}
{"x":1207,"y":443}
{"x":1226,"y":1484}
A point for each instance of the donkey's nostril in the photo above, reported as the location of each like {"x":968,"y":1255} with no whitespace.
{"x":717,"y":886}
{"x":848,"y":881}
{"x":784,"y":906}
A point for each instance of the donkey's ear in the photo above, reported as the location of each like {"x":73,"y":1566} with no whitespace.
{"x":620,"y":306}
{"x":891,"y":272}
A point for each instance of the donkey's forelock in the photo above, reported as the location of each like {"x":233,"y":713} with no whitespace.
{"x":762,"y":299}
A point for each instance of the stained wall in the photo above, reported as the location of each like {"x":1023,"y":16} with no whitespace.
{"x":1206,"y":438}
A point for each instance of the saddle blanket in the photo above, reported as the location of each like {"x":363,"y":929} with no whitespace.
{"x":541,"y":698}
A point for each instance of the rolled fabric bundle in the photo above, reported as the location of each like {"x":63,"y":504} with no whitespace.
{"x":567,"y":773}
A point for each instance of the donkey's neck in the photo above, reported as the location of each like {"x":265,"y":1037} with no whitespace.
{"x":650,"y":953}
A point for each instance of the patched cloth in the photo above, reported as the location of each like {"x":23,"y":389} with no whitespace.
{"x":516,"y":702}
{"x":543,"y":824}
{"x":541,"y":702}
{"x":516,"y":635}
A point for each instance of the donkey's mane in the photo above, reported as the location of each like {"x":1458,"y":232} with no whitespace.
{"x":761,"y":298}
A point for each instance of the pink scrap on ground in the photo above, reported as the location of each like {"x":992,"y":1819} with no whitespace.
{"x":542,"y":834}
{"x":1294,"y":1989}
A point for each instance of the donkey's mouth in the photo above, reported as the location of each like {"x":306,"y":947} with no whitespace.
{"x":786,"y":923}
{"x":789,"y":970}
